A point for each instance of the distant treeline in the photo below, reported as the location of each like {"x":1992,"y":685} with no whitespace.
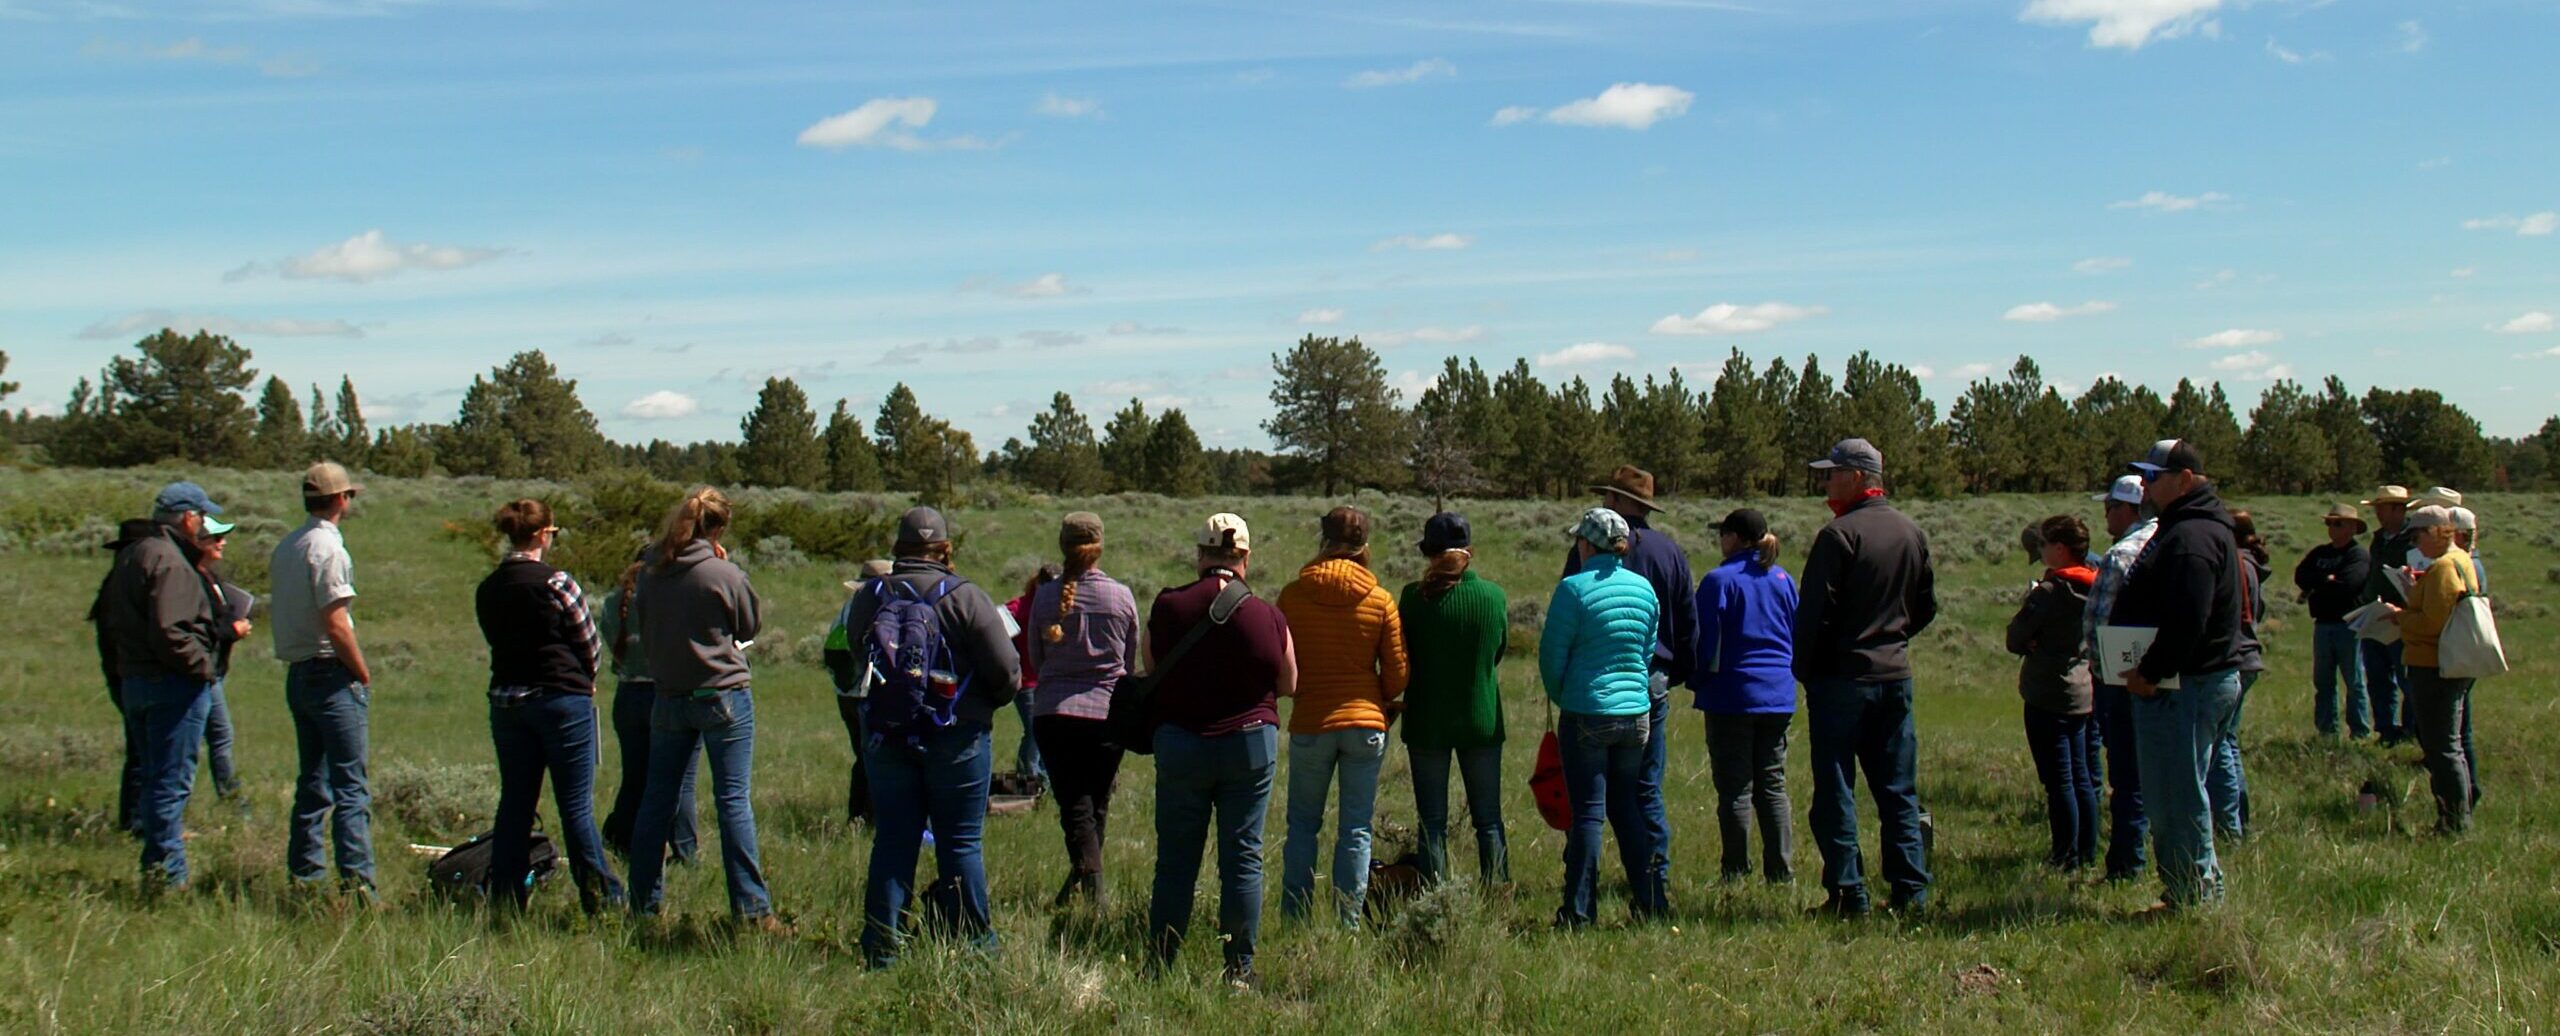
{"x":1339,"y":424}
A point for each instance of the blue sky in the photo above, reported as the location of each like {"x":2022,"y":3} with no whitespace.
{"x":992,"y":202}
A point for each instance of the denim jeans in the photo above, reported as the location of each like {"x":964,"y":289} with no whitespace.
{"x":2060,"y":745}
{"x":722,"y":727}
{"x":329,"y":722}
{"x":2128,"y":827}
{"x":2383,"y":682}
{"x":2440,"y":709}
{"x":217,"y":743}
{"x":1604,"y":763}
{"x":169,"y":713}
{"x":2176,"y":733}
{"x":2334,"y":656}
{"x":1026,"y":756}
{"x":2226,"y":782}
{"x":941,"y":778}
{"x":1230,"y":777}
{"x":1859,"y":726}
{"x":129,"y":783}
{"x":1480,"y":769}
{"x":1748,"y":755}
{"x":633,"y":700}
{"x":555,"y":733}
{"x":1314,"y":760}
{"x":1657,"y":761}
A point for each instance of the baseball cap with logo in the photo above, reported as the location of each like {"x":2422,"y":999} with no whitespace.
{"x":2126,"y":490}
{"x":181,"y":497}
{"x":2169,"y":455}
{"x":1226,"y":532}
{"x":328,"y":478}
{"x":1853,"y":454}
{"x":921,"y":527}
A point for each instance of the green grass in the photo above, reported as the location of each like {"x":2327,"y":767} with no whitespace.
{"x":2337,"y":920}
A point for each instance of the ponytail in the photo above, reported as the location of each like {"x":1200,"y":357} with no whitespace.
{"x":702,"y":514}
{"x":1765,"y":554}
{"x":1445,"y":569}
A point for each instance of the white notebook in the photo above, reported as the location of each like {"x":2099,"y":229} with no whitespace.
{"x":2120,"y":648}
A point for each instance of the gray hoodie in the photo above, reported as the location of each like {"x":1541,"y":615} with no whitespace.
{"x":691,"y":613}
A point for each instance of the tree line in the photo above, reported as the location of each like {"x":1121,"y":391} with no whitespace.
{"x":1339,"y":424}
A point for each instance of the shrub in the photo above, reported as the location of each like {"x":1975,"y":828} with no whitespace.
{"x":444,"y":802}
{"x":474,"y":1006}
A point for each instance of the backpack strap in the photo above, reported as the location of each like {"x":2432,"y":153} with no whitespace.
{"x":1230,"y":598}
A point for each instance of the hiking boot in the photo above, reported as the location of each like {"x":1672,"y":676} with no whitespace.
{"x":1842,"y":907}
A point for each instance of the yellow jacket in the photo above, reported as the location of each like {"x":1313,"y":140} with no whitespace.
{"x":2431,"y":605}
{"x":1350,"y":647}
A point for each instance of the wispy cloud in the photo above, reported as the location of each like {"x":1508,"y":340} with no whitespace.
{"x":2291,"y":56}
{"x":368,"y":256}
{"x":1430,"y":336}
{"x":1051,"y":339}
{"x":1427,"y":68}
{"x":2128,"y":24}
{"x":1586,"y":354}
{"x":913,"y":353}
{"x":2046,"y":312}
{"x":2236,"y":338}
{"x":2252,"y":366}
{"x":1632,"y":106}
{"x":889,"y":122}
{"x":2532,"y":323}
{"x":145,"y":321}
{"x":1726,"y":318}
{"x":1317,"y":317}
{"x":1132,"y":327}
{"x":662,"y":405}
{"x":2101,"y":264}
{"x":194,"y":49}
{"x":1045,"y":286}
{"x":1442,"y":242}
{"x":2163,"y":201}
{"x":2540,"y":224}
{"x":1058,"y":107}
{"x":2410,"y":37}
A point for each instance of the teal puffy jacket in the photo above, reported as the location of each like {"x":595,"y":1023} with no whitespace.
{"x":1595,"y":654}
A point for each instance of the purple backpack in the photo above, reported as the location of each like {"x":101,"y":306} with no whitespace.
{"x":916,"y":691}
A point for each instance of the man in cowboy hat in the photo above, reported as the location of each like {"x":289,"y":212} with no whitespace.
{"x":1653,"y":554}
{"x":2332,"y":578}
{"x":2383,"y":680}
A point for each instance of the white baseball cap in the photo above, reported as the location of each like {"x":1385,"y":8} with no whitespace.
{"x":1226,"y":531}
{"x":2127,"y":490}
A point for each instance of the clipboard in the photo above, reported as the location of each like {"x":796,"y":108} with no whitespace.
{"x":2370,"y":623}
{"x":2121,"y":648}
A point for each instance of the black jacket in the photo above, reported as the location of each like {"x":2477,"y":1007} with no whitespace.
{"x":2187,"y":584}
{"x":535,"y":620}
{"x":972,"y":625}
{"x":2390,"y":550}
{"x":2332,"y":579}
{"x":156,"y":612}
{"x":1868,"y":588}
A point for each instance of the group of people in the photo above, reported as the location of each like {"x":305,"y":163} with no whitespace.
{"x":922,"y":659}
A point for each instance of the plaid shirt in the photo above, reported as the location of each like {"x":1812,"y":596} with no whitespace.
{"x":2111,"y":573}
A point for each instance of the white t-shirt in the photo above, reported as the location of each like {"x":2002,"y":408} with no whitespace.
{"x":311,"y":571}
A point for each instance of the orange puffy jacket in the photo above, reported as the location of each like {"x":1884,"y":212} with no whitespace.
{"x":1350,"y":648}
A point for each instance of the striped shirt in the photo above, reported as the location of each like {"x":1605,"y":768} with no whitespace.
{"x":2111,"y":572}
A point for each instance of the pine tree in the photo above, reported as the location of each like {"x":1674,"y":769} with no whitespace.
{"x":2358,"y":467}
{"x":1062,"y":457}
{"x":1584,"y":449}
{"x":184,"y":399}
{"x":7,"y":388}
{"x":1527,"y":413}
{"x":1741,"y":431}
{"x":2115,"y":425}
{"x":778,"y":440}
{"x":2203,"y":418}
{"x":354,"y":442}
{"x":2284,"y":450}
{"x":2425,"y":440}
{"x":279,"y":439}
{"x":478,"y":441}
{"x":1174,"y":459}
{"x":852,"y":465}
{"x":1443,"y":466}
{"x":1124,"y":448}
{"x":1813,"y":423}
{"x":324,"y":430}
{"x":1332,"y":408}
{"x":402,"y":453}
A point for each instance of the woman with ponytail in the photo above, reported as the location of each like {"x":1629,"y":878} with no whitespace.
{"x":696,"y":612}
{"x":1083,"y":634}
{"x":1456,"y":628}
{"x":1745,"y":683}
{"x":635,"y":696}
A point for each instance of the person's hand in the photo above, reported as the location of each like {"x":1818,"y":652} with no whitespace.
{"x":239,"y":629}
{"x":2392,"y":612}
{"x":2139,"y":686}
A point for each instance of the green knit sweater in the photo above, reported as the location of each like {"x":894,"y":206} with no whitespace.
{"x":1454,"y":642}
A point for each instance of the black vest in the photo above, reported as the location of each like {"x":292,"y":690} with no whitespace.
{"x":532,"y":641}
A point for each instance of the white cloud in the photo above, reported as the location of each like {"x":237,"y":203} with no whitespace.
{"x":1057,"y":107}
{"x":2219,"y":278}
{"x":2412,"y":37}
{"x":1045,"y":286}
{"x":1132,"y":327}
{"x":1320,"y":316}
{"x":1441,"y":242}
{"x":889,"y":122}
{"x":1632,"y":106}
{"x":2236,"y":338}
{"x":146,"y":321}
{"x":2535,"y":322}
{"x":195,"y":49}
{"x":1051,"y":339}
{"x":914,"y":353}
{"x":2540,"y":224}
{"x":368,"y":256}
{"x":1968,"y":372}
{"x":2252,"y":366}
{"x":1427,"y":68}
{"x":1725,"y":318}
{"x":2163,"y":201}
{"x":2465,"y":271}
{"x":2127,"y":24}
{"x":662,"y":405}
{"x":2101,"y":264}
{"x":1922,"y":371}
{"x":2290,"y":56}
{"x":2046,"y":312}
{"x":1586,"y":354}
{"x":1431,"y":336}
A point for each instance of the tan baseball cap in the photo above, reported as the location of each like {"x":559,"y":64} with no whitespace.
{"x":1226,"y":531}
{"x":328,"y":478}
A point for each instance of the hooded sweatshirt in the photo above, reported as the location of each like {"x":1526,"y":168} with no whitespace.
{"x":2187,"y":584}
{"x":972,"y":627}
{"x":2053,"y":675}
{"x":692,"y":613}
{"x":1350,"y":645}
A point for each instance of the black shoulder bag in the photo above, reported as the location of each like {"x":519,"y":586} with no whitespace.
{"x":1132,"y":722}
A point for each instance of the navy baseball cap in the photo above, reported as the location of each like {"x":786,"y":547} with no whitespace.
{"x":178,"y":497}
{"x":1446,"y":531}
{"x":2170,"y":455}
{"x":1855,"y":455}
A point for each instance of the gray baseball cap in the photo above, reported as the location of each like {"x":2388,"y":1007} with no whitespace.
{"x":1855,"y":455}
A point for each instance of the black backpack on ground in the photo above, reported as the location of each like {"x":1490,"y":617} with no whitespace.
{"x":464,"y":869}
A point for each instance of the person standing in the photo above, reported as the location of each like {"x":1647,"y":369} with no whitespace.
{"x":2053,"y":681}
{"x":2439,"y":705}
{"x":1745,"y":683}
{"x":2332,"y":579}
{"x":1083,"y":630}
{"x":158,"y":614}
{"x":2466,"y":534}
{"x":230,"y":627}
{"x":543,"y":656}
{"x":1594,"y":660}
{"x":1653,"y":554}
{"x":945,"y":666}
{"x":1457,"y":626}
{"x":695,"y":611}
{"x":2130,"y":526}
{"x":1869,"y":587}
{"x":2188,"y":586}
{"x":129,"y":782}
{"x":1352,"y":667}
{"x":327,"y":685}
{"x":2227,"y":780}
{"x":1026,"y":755}
{"x":1217,"y":743}
{"x":848,"y":665}
{"x":2383,"y":680}
{"x":635,"y":696}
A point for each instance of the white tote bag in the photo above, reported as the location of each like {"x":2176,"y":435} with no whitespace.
{"x":2469,"y":649}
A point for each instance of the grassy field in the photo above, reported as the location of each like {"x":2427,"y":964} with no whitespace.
{"x":2338,"y":920}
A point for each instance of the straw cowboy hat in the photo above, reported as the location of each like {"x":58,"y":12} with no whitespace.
{"x":2390,"y":495}
{"x":2346,"y":513}
{"x":1631,"y":482}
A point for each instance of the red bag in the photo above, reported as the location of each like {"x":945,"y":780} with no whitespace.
{"x":1546,"y":784}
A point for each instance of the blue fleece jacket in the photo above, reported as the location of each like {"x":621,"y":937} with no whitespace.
{"x":1595,"y":653}
{"x":1746,"y":639}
